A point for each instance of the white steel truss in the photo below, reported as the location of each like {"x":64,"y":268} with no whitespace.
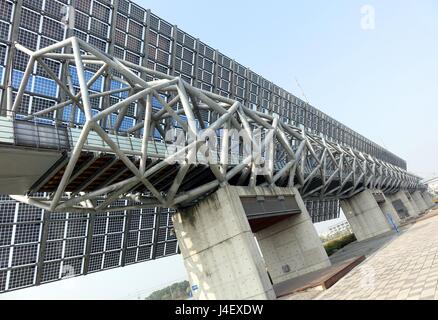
{"x":267,"y":151}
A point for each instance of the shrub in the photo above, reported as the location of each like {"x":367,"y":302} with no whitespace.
{"x":334,"y":245}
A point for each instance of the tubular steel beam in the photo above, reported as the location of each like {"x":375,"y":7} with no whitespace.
{"x":240,"y":147}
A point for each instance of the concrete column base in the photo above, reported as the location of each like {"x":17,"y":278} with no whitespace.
{"x":428,"y":199}
{"x":388,"y":209}
{"x":416,"y":196}
{"x":292,"y":247}
{"x":365,"y":216}
{"x":219,"y":250}
{"x":413,"y":203}
{"x":406,"y":207}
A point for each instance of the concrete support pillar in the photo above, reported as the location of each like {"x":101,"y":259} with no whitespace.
{"x":292,"y":247}
{"x":416,"y":196}
{"x":428,"y":199}
{"x":431,"y":196}
{"x":365,"y":216}
{"x":219,"y":250}
{"x":388,"y":209}
{"x":414,"y":204}
{"x":412,"y":210}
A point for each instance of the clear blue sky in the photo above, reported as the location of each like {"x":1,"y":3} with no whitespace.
{"x":381,"y":82}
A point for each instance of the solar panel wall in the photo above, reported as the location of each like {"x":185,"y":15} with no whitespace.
{"x":37,"y":246}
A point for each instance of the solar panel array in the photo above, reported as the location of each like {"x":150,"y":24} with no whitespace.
{"x":38,"y":246}
{"x":323,"y":210}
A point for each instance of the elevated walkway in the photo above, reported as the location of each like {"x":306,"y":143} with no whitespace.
{"x":35,"y":155}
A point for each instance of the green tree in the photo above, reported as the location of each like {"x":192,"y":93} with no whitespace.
{"x":176,"y":291}
{"x":334,"y":245}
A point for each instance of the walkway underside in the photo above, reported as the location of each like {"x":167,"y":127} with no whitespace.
{"x":190,"y":159}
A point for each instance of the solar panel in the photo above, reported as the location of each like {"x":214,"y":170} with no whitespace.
{"x":37,"y":246}
{"x":323,"y":210}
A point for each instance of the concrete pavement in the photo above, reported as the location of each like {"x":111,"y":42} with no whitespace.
{"x":405,"y":268}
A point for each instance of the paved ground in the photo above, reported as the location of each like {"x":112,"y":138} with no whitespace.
{"x":352,"y":250}
{"x":318,"y":279}
{"x":405,"y":267}
{"x":366,"y":247}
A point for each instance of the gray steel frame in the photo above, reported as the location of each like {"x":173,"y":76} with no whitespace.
{"x":304,"y":157}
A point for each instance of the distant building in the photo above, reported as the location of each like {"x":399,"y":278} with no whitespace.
{"x":434,"y":186}
{"x":338,"y":230}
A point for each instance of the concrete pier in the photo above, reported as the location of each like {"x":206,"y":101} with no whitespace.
{"x":292,"y":247}
{"x":365,"y":216}
{"x":219,"y":250}
{"x":413,"y":203}
{"x":388,"y":209}
{"x":428,"y":199}
{"x":421,"y":204}
{"x":217,"y":238}
{"x":403,"y":205}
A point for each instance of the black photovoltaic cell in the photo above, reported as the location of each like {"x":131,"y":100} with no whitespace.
{"x":51,"y":271}
{"x":4,"y":257}
{"x":3,"y":275}
{"x":28,"y":255}
{"x":323,"y":210}
{"x":21,"y":277}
